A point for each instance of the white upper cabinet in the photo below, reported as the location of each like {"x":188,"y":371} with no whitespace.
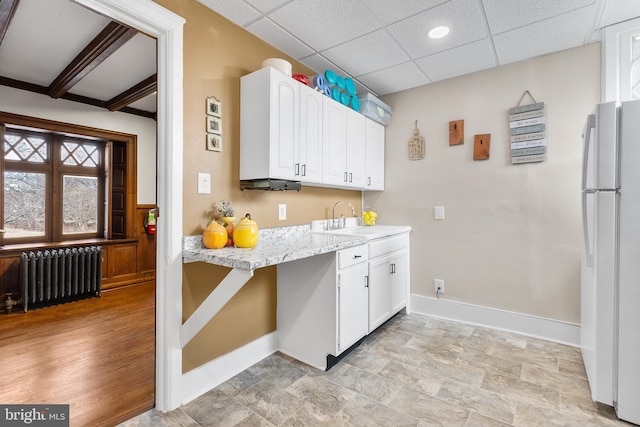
{"x":309,"y":169}
{"x":343,"y":134}
{"x":374,"y":156}
{"x":356,"y":145}
{"x":334,"y":137}
{"x":292,"y":132}
{"x":269,"y":125}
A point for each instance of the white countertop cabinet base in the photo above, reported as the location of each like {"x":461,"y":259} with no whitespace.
{"x":321,"y":310}
{"x":328,"y":303}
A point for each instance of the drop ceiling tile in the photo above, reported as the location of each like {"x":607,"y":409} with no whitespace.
{"x":237,"y":11}
{"x":266,"y":5}
{"x":463,"y":17}
{"x":372,"y":52}
{"x":389,"y":12}
{"x":320,"y":64}
{"x":507,"y":15}
{"x":395,"y":79}
{"x":273,"y":34}
{"x":618,"y":11}
{"x":327,"y":23}
{"x":458,"y":61}
{"x":552,"y":35}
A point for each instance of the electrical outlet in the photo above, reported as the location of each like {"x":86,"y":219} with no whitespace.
{"x":282,"y":212}
{"x":438,"y":212}
{"x":438,"y":286}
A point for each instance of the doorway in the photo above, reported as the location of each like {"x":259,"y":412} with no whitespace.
{"x":166,"y":27}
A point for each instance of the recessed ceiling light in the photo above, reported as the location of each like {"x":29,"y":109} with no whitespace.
{"x":438,"y":32}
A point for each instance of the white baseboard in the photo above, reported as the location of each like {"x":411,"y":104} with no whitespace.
{"x":206,"y":377}
{"x":526,"y":324}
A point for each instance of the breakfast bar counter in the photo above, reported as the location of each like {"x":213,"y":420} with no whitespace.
{"x":275,"y":246}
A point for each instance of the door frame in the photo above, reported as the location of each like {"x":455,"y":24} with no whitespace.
{"x":167,"y":28}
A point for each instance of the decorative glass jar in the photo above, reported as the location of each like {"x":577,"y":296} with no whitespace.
{"x":369,"y":217}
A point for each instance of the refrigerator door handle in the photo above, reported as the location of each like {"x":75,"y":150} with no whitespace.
{"x":585,"y":231}
{"x":591,"y":124}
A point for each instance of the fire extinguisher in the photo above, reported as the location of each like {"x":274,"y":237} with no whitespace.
{"x":150,"y":225}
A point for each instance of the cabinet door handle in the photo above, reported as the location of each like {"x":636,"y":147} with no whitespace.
{"x":350,"y":177}
{"x":304,"y":170}
{"x":366,"y":281}
{"x":369,"y":180}
{"x":392,"y":268}
{"x":357,"y":256}
{"x":297,"y":169}
{"x":345,"y":177}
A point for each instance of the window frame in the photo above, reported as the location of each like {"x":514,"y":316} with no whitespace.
{"x":616,"y":65}
{"x":68,"y":131}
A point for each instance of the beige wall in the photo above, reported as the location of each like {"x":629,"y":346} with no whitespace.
{"x":216,"y":54}
{"x":511,"y":238}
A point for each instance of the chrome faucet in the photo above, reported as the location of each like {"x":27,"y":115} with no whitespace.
{"x":344,"y":220}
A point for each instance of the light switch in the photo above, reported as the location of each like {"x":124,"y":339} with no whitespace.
{"x":438,"y":212}
{"x":282,"y":212}
{"x":204,"y":183}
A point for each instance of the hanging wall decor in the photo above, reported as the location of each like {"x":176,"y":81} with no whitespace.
{"x":416,"y":145}
{"x":481,"y":146}
{"x":528,"y":131}
{"x":214,"y":142}
{"x":456,"y":132}
{"x":214,"y":124}
{"x":214,"y":107}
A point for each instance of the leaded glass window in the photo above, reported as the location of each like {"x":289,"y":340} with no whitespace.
{"x":53,"y":186}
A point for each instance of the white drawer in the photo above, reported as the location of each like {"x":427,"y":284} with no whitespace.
{"x":384,"y":246}
{"x":353,"y":256}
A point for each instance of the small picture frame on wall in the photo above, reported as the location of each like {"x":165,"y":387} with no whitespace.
{"x":214,"y":125}
{"x":214,"y":107}
{"x":214,"y":142}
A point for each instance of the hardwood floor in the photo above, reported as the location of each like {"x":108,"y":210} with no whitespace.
{"x":97,"y":355}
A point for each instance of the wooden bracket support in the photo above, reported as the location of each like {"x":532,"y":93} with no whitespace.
{"x":218,"y":298}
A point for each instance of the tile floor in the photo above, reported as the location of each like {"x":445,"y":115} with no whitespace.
{"x":413,"y":371}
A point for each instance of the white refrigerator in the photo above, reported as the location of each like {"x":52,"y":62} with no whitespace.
{"x":610,"y":276}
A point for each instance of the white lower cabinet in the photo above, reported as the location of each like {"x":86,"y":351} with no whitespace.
{"x":379,"y":307}
{"x":353,"y":309}
{"x":327,"y":303}
{"x":388,"y":278}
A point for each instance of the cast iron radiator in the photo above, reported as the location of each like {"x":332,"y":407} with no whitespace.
{"x":54,"y":276}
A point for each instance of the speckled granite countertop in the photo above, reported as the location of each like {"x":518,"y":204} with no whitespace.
{"x":275,"y":246}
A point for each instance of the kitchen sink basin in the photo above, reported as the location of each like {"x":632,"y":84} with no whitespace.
{"x":373,"y":232}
